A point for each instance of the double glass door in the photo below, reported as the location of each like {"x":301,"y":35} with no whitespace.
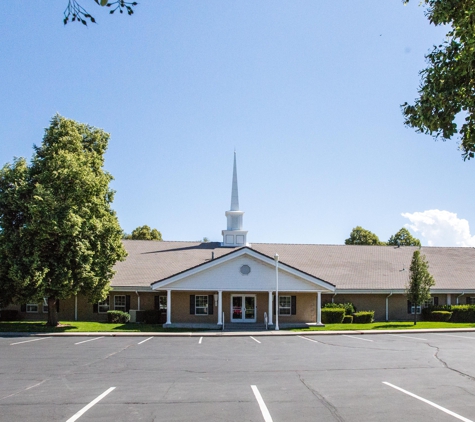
{"x":243,"y":308}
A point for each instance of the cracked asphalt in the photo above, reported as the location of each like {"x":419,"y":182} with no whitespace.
{"x":428,"y":376}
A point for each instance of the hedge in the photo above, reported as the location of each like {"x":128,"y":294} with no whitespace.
{"x":463,"y":313}
{"x":442,"y":316}
{"x":348,"y":319}
{"x":363,"y":317}
{"x":118,"y":317}
{"x":333,"y":315}
{"x":348,"y":307}
{"x":9,"y":315}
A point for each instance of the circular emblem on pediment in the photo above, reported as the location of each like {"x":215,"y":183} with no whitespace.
{"x":245,"y":269}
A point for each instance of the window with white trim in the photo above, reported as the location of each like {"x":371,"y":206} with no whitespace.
{"x":428,"y":303}
{"x":103,"y":307}
{"x":285,"y":305}
{"x":45,"y":305}
{"x":162,"y":302}
{"x":31,"y":308}
{"x":201,"y":305}
{"x":119,"y":303}
{"x":418,"y":309}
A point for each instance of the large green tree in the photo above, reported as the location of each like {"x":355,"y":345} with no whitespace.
{"x":58,"y":234}
{"x":447,"y":89}
{"x":144,"y":233}
{"x":420,"y":282}
{"x":403,"y":238}
{"x":361,"y":236}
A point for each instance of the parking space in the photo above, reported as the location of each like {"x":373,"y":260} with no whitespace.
{"x":422,"y":377}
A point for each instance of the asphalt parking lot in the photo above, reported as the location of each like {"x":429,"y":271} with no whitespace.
{"x":385,"y":377}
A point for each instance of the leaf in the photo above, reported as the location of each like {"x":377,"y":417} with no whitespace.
{"x":103,"y":2}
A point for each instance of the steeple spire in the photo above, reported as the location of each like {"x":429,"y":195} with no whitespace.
{"x":234,"y":235}
{"x":234,"y":192}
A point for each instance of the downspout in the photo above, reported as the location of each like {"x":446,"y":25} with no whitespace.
{"x":387,"y":306}
{"x":459,"y":296}
{"x":75,"y":307}
{"x":333,"y":297}
{"x":138,"y":300}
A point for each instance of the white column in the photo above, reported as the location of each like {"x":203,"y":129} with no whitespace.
{"x":449,"y":299}
{"x":138,"y":301}
{"x":319,"y":308}
{"x":220,"y":307}
{"x":169,"y":306}
{"x":75,"y":307}
{"x":270,"y":312}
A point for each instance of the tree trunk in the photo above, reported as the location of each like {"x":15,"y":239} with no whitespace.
{"x":52,"y":314}
{"x":415,"y":314}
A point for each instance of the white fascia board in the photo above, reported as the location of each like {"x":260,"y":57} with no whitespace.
{"x":244,"y":251}
{"x":399,"y":291}
{"x":131,"y":289}
{"x":368,"y":291}
{"x":244,"y":290}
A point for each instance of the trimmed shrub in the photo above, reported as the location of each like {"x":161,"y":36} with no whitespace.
{"x":151,"y":316}
{"x":463,"y":313}
{"x":363,"y":317}
{"x":118,"y":317}
{"x":348,"y":319}
{"x":9,"y":315}
{"x":333,"y":315}
{"x":443,"y":316}
{"x":426,"y":312}
{"x":348,"y":307}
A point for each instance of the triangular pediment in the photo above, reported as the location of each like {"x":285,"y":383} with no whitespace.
{"x":243,"y":270}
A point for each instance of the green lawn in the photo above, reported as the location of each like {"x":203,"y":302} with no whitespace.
{"x":402,"y":325}
{"x":87,"y":327}
{"x":82,"y":326}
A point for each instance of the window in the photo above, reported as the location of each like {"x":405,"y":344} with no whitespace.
{"x":470,"y":300}
{"x":103,"y":307}
{"x":32,"y":308}
{"x":428,"y":303}
{"x":418,"y":309}
{"x":201,"y":305}
{"x":162,"y":303}
{"x":285,"y":305}
{"x":45,"y":305}
{"x":119,"y":303}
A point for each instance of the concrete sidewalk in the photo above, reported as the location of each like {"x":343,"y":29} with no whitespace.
{"x":236,"y":333}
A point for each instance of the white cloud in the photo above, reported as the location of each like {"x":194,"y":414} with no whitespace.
{"x":440,"y":228}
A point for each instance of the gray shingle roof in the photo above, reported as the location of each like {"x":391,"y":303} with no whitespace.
{"x":347,"y":267}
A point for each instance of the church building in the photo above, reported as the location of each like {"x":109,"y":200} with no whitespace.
{"x":208,"y":284}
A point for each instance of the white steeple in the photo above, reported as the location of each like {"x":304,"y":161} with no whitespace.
{"x":234,"y":235}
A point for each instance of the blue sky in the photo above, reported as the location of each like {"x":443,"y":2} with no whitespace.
{"x":307,"y":92}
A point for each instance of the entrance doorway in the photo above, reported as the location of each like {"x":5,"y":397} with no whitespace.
{"x":243,"y":308}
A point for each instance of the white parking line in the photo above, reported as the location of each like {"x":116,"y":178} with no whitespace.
{"x":201,"y":339}
{"x":86,"y":408}
{"x":92,"y":339}
{"x":357,"y":338}
{"x":28,"y":341}
{"x":449,"y":412}
{"x":255,"y":340}
{"x":452,"y":335}
{"x":262,"y":405}
{"x":309,"y":339}
{"x":415,"y":338}
{"x":147,"y":339}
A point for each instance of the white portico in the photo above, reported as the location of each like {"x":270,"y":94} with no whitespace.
{"x":241,"y":285}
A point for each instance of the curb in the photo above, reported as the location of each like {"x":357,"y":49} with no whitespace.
{"x":237,"y":333}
